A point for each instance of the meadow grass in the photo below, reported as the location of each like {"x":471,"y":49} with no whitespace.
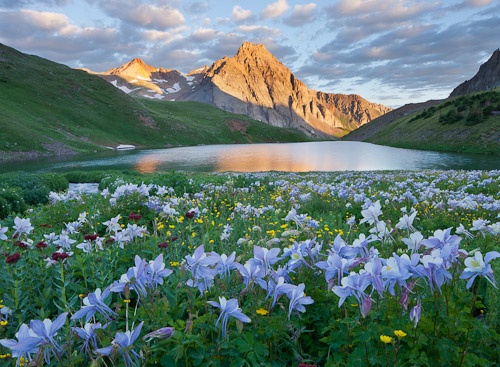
{"x":261,"y":269}
{"x":461,"y":124}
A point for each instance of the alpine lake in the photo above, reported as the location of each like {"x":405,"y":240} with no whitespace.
{"x":287,"y":157}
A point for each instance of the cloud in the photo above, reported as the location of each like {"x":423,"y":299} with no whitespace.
{"x":198,"y":7}
{"x":260,"y":31}
{"x":160,"y":36}
{"x":202,"y":35}
{"x":143,"y":15}
{"x":45,"y":20}
{"x":359,"y":19}
{"x":301,"y":15}
{"x":239,"y":14}
{"x":477,"y":3}
{"x":19,"y":4}
{"x":275,"y":9}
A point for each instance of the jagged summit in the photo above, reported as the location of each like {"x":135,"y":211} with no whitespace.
{"x":488,"y":77}
{"x":136,"y":68}
{"x":255,"y":83}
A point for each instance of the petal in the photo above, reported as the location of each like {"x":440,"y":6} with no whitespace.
{"x":135,"y":333}
{"x":58,"y":323}
{"x":105,"y":351}
{"x":491,"y":255}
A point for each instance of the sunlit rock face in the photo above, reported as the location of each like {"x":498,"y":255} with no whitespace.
{"x":488,"y":77}
{"x":253,"y":83}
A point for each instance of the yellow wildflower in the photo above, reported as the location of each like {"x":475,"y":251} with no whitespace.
{"x":399,"y":333}
{"x":385,"y":339}
{"x":3,"y":323}
{"x":262,"y":311}
{"x":174,"y":263}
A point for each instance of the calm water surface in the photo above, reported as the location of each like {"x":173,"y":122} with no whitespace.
{"x":290,"y":157}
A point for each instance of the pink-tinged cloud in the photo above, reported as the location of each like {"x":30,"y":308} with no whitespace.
{"x":393,"y":9}
{"x":204,"y":35}
{"x":46,"y":21}
{"x":145,"y":15}
{"x":477,"y":3}
{"x":239,"y":14}
{"x":275,"y":9}
{"x":301,"y":15}
{"x":160,"y":36}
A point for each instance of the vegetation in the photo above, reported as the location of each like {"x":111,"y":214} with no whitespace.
{"x":461,"y":124}
{"x":61,"y":110}
{"x":264,"y":269}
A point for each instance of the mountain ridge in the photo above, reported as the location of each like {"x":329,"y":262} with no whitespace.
{"x":49,"y":109}
{"x":487,"y":78}
{"x":254,"y":83}
{"x":468,"y":120}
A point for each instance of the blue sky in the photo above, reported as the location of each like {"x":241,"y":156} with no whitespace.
{"x":388,"y":51}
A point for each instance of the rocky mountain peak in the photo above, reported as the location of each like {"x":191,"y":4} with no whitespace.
{"x":488,"y":77}
{"x":255,"y":83}
{"x":134,"y":68}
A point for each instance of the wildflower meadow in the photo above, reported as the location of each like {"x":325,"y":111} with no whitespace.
{"x":256,"y":269}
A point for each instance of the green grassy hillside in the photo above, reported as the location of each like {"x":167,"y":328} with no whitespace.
{"x":462,"y":124}
{"x":49,"y":108}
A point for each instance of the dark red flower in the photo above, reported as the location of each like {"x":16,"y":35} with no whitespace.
{"x":90,"y":237}
{"x":134,"y":216}
{"x":109,"y":240}
{"x":190,"y":214}
{"x":40,"y":245}
{"x":173,"y":238}
{"x":12,"y":259}
{"x":59,"y":256}
{"x":20,"y":244}
{"x":163,"y":245}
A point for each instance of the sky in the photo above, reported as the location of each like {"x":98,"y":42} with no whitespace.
{"x":391,"y":52}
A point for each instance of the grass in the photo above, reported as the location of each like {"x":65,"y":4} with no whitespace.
{"x":462,"y":124}
{"x":47,"y":107}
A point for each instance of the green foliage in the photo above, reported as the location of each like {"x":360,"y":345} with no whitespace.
{"x":458,"y":327}
{"x":11,"y":201}
{"x":461,"y":124}
{"x":33,"y":187}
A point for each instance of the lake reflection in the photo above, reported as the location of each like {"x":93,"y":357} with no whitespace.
{"x":289,"y":157}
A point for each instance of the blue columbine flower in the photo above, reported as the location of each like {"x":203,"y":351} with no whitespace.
{"x":47,"y":330}
{"x":27,"y":344}
{"x":264,"y":257}
{"x":93,"y":303}
{"x":123,"y":344}
{"x":478,"y":266}
{"x":162,"y":333}
{"x":88,"y":335}
{"x":38,"y":334}
{"x":228,"y":308}
{"x":298,"y":299}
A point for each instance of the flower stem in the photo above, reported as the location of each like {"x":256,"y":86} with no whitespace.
{"x":63,"y":286}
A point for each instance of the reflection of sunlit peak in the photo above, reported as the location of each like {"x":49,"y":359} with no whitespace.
{"x":147,"y":164}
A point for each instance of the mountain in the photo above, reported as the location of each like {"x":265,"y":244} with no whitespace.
{"x":253,"y":83}
{"x":488,"y":77}
{"x":367,"y":131}
{"x":468,"y":121}
{"x":49,"y":109}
